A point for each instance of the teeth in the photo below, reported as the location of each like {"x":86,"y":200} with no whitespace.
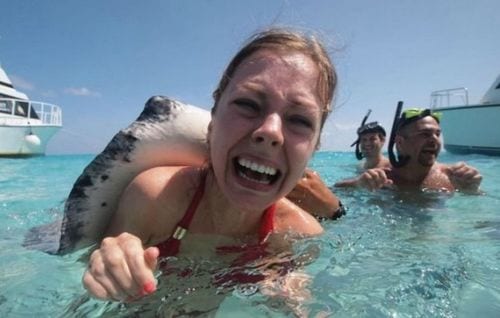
{"x":257,"y":167}
{"x":254,"y":180}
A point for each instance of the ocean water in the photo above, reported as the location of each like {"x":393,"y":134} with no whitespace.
{"x":392,"y":255}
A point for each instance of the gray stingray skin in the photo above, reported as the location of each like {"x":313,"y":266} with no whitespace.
{"x":167,"y":132}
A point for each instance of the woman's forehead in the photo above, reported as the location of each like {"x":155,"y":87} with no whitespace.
{"x":292,"y":61}
{"x":294,"y":74}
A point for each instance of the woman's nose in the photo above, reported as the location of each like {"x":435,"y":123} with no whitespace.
{"x":269,"y":131}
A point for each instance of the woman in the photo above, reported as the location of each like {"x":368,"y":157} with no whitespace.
{"x":270,"y":107}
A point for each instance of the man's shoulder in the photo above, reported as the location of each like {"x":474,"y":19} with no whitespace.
{"x":382,"y":164}
{"x":385,"y":163}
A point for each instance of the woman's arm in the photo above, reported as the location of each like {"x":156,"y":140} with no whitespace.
{"x":122,"y":269}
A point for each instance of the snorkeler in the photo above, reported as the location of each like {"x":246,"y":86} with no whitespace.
{"x":371,"y":139}
{"x":270,"y":107}
{"x":417,"y":136}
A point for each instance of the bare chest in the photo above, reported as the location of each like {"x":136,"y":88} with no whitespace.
{"x":434,"y":180}
{"x":437,"y":180}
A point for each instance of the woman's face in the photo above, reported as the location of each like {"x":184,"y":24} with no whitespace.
{"x":266,"y":127}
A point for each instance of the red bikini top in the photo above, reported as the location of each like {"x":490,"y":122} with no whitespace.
{"x":170,"y":247}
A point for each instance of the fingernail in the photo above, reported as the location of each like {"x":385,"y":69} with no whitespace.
{"x":149,"y":287}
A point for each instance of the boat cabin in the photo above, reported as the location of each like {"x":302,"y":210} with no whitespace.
{"x":18,"y":108}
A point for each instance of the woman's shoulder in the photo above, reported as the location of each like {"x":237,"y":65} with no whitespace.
{"x":290,"y":218}
{"x":153,"y":200}
{"x":154,"y":181}
{"x":160,"y":189}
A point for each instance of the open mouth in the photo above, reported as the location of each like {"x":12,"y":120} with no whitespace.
{"x":255,"y":172}
{"x":429,"y":152}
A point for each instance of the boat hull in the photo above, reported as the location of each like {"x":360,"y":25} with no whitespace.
{"x":14,"y":143}
{"x":471,"y":129}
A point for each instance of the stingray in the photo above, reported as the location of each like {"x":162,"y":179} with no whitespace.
{"x":167,"y":132}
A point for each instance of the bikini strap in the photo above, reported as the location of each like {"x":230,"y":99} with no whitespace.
{"x":267,"y":225}
{"x":171,"y":246}
{"x":188,"y":216}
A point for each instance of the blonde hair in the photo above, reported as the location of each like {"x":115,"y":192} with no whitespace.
{"x":287,"y":40}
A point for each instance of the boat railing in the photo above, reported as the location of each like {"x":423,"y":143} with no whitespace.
{"x":450,"y":96}
{"x":46,"y":114}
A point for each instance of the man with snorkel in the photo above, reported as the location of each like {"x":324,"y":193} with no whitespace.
{"x":417,"y":136}
{"x":369,"y":146}
{"x":371,"y":139}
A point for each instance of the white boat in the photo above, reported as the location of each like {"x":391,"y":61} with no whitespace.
{"x":469,"y":128}
{"x":25,"y":126}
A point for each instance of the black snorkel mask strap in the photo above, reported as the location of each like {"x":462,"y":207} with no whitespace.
{"x":359,"y":155}
{"x":401,"y":160}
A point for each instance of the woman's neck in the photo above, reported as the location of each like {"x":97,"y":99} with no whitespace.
{"x":224,"y":216}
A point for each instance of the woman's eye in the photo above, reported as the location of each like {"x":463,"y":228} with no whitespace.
{"x":247,"y":106}
{"x":301,"y":121}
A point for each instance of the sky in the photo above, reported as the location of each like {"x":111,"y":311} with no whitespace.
{"x":100,"y":60}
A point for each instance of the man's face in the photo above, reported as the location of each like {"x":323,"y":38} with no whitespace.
{"x":421,"y":140}
{"x":371,"y":144}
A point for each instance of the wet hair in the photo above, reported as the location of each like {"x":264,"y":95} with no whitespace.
{"x":286,"y":40}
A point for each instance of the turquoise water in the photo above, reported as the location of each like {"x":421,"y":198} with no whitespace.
{"x":392,"y":255}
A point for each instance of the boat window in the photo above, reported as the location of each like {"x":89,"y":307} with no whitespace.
{"x":21,"y":109}
{"x":33,"y":113}
{"x":498,"y":86}
{"x":6,"y":106}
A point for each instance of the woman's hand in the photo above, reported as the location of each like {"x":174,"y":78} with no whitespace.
{"x":121,"y":269}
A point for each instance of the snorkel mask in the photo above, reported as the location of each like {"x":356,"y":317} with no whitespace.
{"x":401,"y":120}
{"x":372,"y":127}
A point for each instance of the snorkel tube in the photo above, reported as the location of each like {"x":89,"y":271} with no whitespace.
{"x":401,"y":160}
{"x":359,"y":155}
